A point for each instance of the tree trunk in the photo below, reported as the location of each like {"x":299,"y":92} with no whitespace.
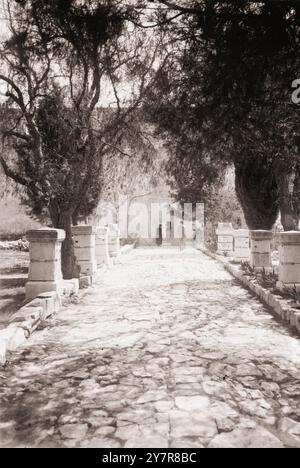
{"x":289,"y":215}
{"x":257,"y":192}
{"x":75,"y":219}
{"x":70,"y":268}
{"x":296,"y":194}
{"x":63,"y":220}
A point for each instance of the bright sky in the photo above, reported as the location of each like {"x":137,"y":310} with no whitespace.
{"x":3,"y":28}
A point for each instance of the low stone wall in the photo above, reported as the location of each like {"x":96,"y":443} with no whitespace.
{"x":27,"y":319}
{"x":281,"y":307}
{"x":21,"y":245}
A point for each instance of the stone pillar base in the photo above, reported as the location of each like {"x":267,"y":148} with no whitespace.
{"x":289,"y":259}
{"x":225,"y":239}
{"x":241,"y":251}
{"x":102,"y":253}
{"x":84,"y":243}
{"x":52,"y":303}
{"x":45,"y":261}
{"x":260,"y":256}
{"x":70,"y":286}
{"x":114,"y":247}
{"x":87,"y":267}
{"x":35,"y":288}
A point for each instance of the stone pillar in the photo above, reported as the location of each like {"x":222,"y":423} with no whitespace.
{"x":45,"y":261}
{"x":241,"y":245}
{"x":289,"y":259}
{"x":260,"y":257}
{"x":84,"y":242}
{"x":225,"y":238}
{"x":114,"y":240}
{"x":200,"y":226}
{"x":102,"y":253}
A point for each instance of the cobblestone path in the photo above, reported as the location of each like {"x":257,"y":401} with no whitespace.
{"x":166,"y":351}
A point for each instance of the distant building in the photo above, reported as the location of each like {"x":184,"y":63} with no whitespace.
{"x":153,"y":218}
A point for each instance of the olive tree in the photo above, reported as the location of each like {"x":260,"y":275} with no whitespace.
{"x":65,"y":66}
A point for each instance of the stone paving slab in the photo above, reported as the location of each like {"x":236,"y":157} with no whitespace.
{"x":167,"y":350}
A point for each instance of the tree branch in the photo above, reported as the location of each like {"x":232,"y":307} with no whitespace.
{"x":182,"y":9}
{"x":12,"y":174}
{"x":13,"y":133}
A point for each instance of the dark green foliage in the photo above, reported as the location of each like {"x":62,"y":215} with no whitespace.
{"x":233,"y":73}
{"x":257,"y":192}
{"x":83,"y":25}
{"x":71,"y":162}
{"x":196,"y":167}
{"x":61,"y":56}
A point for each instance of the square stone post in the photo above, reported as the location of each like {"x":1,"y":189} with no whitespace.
{"x":260,"y":257}
{"x":241,"y":245}
{"x":45,"y":272}
{"x":289,"y":260}
{"x":225,"y":238}
{"x":114,"y":240}
{"x":84,"y":242}
{"x":200,"y":226}
{"x":102,"y":253}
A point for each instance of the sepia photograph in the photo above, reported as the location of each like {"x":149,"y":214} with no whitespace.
{"x":149,"y":227}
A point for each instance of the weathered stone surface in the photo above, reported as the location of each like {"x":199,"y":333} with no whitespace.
{"x":52,"y":302}
{"x":35,"y":288}
{"x":74,"y":431}
{"x":225,"y":416}
{"x":151,"y":395}
{"x":7,"y":432}
{"x":241,"y":244}
{"x":225,"y":237}
{"x":3,"y":351}
{"x":212,"y":387}
{"x":163,"y":406}
{"x":98,"y":442}
{"x":289,"y":261}
{"x":85,"y":282}
{"x":84,"y":244}
{"x":290,"y":432}
{"x":270,"y":387}
{"x":244,"y":370}
{"x":13,"y":336}
{"x":186,"y":443}
{"x":154,"y":441}
{"x":246,"y":438}
{"x":70,"y":287}
{"x":192,"y":403}
{"x":272,"y":373}
{"x":105,"y":431}
{"x":185,"y":424}
{"x":27,"y":313}
{"x":260,"y":256}
{"x":45,"y":261}
{"x":165,"y":350}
